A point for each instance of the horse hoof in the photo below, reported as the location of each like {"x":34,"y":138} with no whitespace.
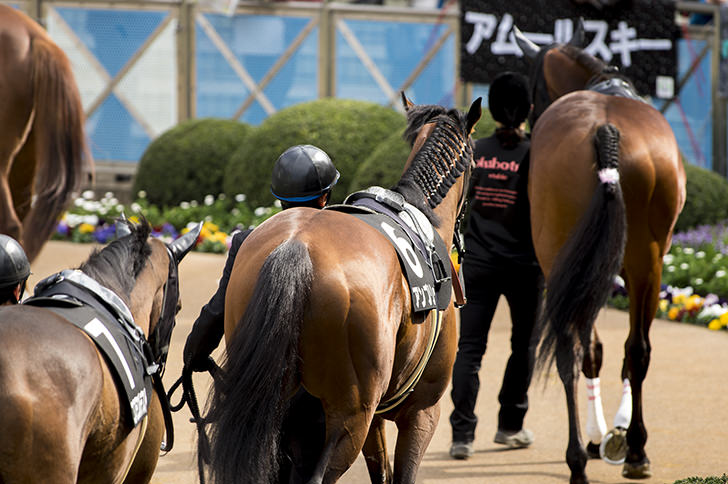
{"x":592,"y":450}
{"x":613,"y":448}
{"x":640,"y":470}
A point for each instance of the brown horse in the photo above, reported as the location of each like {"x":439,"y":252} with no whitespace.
{"x":606,"y":185}
{"x":62,"y":420}
{"x":318,"y":307}
{"x":43,"y":151}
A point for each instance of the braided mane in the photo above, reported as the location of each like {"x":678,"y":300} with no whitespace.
{"x":444,"y":156}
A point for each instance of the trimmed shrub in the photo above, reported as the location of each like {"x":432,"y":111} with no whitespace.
{"x":707,"y":199}
{"x":384,"y":166}
{"x":188,"y":161}
{"x":345,"y":129}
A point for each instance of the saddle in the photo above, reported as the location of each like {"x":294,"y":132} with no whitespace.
{"x":615,"y":87}
{"x":423,"y":255}
{"x":106,"y":319}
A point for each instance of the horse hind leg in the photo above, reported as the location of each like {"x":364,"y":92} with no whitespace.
{"x":596,"y":425}
{"x":414,"y":431}
{"x":576,"y":456}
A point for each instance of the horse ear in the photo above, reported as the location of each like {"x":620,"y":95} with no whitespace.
{"x":184,"y":244}
{"x":406,"y":102}
{"x":579,"y":37}
{"x":121,"y":226}
{"x":474,"y":114}
{"x":529,"y":49}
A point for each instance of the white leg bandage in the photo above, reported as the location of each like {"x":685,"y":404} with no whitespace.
{"x":624,"y":412}
{"x":596,"y":426}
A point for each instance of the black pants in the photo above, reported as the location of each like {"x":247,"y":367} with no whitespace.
{"x":523,"y":289}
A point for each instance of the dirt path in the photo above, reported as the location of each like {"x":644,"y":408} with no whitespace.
{"x":686,"y":403}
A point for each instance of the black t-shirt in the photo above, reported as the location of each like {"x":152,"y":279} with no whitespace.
{"x":499,"y":226}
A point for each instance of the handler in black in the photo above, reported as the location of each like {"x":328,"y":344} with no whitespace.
{"x":14,"y":270}
{"x":499,"y":260}
{"x":303,"y":176}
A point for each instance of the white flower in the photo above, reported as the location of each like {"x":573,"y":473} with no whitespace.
{"x":88,"y":194}
{"x":136,"y":208}
{"x":260,"y":211}
{"x":717,"y":257}
{"x":142,"y":194}
{"x":90,"y":219}
{"x":120,"y":208}
{"x":78,"y":202}
{"x":670,"y":268}
{"x":684,"y":266}
{"x":108,"y":195}
{"x":689,"y":250}
{"x":668,"y":259}
{"x":235,"y":211}
{"x":209,"y":200}
{"x":184,"y":205}
{"x":194,"y":203}
{"x":619,"y":281}
{"x":698,"y":281}
{"x":240,"y":197}
{"x":221,"y":196}
{"x":720,"y":273}
{"x":700,"y":254}
{"x":277,"y":203}
{"x":208,"y":218}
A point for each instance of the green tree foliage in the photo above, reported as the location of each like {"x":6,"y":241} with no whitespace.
{"x":188,"y":161}
{"x":345,"y":129}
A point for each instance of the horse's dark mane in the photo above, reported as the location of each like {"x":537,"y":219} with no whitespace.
{"x":117,"y":265}
{"x":442,"y":159}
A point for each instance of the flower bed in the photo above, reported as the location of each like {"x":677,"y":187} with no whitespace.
{"x":92,"y":220}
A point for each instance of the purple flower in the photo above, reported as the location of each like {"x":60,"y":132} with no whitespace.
{"x":63,"y":229}
{"x":104,"y":233}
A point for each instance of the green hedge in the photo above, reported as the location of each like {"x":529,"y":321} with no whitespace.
{"x":188,"y":161}
{"x":704,"y":480}
{"x":347,"y":130}
{"x":707,"y":199}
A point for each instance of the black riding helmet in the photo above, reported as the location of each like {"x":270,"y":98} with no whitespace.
{"x":14,"y":265}
{"x":509,"y":99}
{"x":303,"y":173}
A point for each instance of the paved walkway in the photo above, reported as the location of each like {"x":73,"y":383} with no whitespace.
{"x":686,"y":398}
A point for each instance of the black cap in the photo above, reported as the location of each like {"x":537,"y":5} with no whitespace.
{"x":14,"y":265}
{"x":509,"y":99}
{"x":303,"y":173}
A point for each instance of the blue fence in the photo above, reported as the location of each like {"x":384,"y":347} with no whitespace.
{"x":248,"y":66}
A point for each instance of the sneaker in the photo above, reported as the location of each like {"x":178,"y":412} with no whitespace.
{"x":461,"y":450}
{"x":521,"y":438}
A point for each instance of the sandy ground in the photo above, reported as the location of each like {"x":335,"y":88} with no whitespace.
{"x":685,"y":402}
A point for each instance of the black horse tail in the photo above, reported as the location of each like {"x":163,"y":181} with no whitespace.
{"x":584,"y":269}
{"x":247,"y":405}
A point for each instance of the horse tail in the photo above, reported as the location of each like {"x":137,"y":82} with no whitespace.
{"x":247,"y":405}
{"x":62,"y":153}
{"x":584,"y":269}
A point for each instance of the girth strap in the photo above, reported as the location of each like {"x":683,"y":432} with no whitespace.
{"x":411,"y":382}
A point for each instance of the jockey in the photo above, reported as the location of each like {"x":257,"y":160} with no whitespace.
{"x":14,"y":270}
{"x":303,"y":176}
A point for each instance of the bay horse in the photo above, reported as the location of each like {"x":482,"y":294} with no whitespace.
{"x":62,"y":419}
{"x":318,"y":315}
{"x":43,"y":149}
{"x":606,"y":185}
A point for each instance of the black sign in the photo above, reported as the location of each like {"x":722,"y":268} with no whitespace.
{"x":639,"y":36}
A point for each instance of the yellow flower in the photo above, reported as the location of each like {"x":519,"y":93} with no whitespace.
{"x":679,"y":299}
{"x":672,"y":313}
{"x":693,"y":302}
{"x":210,"y":226}
{"x":220,"y":237}
{"x":205,"y":233}
{"x":85,"y":228}
{"x":715,"y":325}
{"x":454,"y":259}
{"x":663,"y":305}
{"x":134,"y":219}
{"x":724,"y":319}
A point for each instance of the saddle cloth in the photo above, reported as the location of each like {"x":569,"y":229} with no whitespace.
{"x":422,"y":253}
{"x":103,"y":316}
{"x":615,"y":87}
